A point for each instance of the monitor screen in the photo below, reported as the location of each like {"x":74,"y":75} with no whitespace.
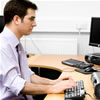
{"x":1,"y":23}
{"x":95,"y":32}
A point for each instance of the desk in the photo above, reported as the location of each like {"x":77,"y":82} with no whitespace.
{"x":54,"y":62}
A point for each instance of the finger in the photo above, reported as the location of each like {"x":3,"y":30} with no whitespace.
{"x":71,"y":82}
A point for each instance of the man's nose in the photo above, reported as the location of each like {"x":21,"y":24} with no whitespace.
{"x":34,"y":24}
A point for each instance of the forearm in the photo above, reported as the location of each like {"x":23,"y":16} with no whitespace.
{"x":41,"y":80}
{"x":33,"y":89}
{"x":46,"y":87}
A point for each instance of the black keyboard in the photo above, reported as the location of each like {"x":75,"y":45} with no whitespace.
{"x":75,"y":93}
{"x":77,"y":63}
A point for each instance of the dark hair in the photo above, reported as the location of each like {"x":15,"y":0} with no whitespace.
{"x":17,"y":7}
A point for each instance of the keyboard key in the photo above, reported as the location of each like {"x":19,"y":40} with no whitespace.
{"x":77,"y":92}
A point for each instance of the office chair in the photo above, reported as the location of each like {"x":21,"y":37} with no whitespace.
{"x":45,"y":72}
{"x":2,"y":23}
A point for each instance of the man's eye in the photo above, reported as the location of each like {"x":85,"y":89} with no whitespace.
{"x":32,"y":19}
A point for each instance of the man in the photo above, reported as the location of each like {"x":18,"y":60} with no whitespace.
{"x":17,"y":81}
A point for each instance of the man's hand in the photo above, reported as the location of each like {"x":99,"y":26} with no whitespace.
{"x":62,"y":78}
{"x":61,"y":84}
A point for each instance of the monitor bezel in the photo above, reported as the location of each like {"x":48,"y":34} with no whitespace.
{"x":91,"y":29}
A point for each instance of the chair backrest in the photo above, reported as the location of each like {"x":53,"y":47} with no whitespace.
{"x":2,"y":23}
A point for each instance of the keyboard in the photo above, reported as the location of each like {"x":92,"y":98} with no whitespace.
{"x":75,"y":93}
{"x":77,"y":63}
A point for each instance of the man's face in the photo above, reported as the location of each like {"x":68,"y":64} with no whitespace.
{"x":28,"y":22}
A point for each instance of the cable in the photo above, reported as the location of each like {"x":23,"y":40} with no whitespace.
{"x":35,"y":45}
{"x":79,"y":44}
{"x":93,"y":49}
{"x":90,"y":96}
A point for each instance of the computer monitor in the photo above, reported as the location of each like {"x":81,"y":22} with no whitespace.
{"x":95,"y":32}
{"x":2,"y":23}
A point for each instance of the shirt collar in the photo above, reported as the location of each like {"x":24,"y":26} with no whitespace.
{"x":10,"y":36}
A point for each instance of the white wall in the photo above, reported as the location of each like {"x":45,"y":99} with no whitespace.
{"x":83,"y":40}
{"x":66,"y":15}
{"x":2,"y":4}
{"x":63,"y":19}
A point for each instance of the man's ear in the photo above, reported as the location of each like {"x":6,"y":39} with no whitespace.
{"x":17,"y":19}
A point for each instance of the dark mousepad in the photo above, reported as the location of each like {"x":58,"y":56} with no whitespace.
{"x":84,"y":71}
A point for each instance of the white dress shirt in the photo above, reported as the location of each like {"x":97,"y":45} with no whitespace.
{"x":12,"y":76}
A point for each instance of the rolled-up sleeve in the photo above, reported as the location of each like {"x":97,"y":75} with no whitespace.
{"x":14,"y":82}
{"x":10,"y":74}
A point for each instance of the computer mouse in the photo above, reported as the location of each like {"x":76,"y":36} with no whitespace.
{"x":88,"y":69}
